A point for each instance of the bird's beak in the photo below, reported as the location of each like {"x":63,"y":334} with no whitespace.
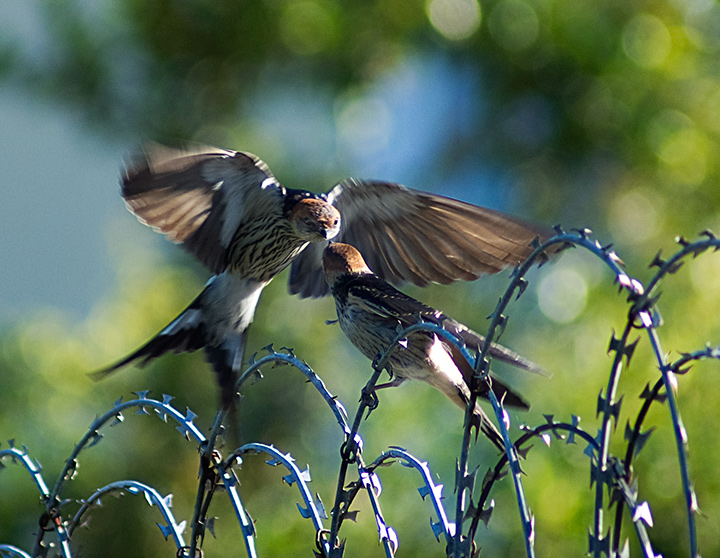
{"x":330,"y":233}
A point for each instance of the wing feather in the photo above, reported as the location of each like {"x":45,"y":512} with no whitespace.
{"x":200,"y":197}
{"x":444,"y":271}
{"x":385,"y":300}
{"x":408,"y":235}
{"x":306,"y":273}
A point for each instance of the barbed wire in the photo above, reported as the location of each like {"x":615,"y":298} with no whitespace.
{"x":609,"y":473}
{"x":152,"y":497}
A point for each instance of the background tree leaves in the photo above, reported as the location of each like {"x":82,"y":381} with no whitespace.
{"x":596,"y":114}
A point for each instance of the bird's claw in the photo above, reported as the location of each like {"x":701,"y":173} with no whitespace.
{"x":369,"y":398}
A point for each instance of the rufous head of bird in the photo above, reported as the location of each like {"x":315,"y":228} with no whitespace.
{"x":314,"y":220}
{"x":340,"y":259}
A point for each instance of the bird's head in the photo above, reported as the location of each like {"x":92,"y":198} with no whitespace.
{"x":340,"y":259}
{"x":314,"y":220}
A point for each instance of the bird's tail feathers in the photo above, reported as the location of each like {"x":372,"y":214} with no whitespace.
{"x":227,"y":361}
{"x":475,"y":341}
{"x":504,"y":354}
{"x":505,"y":394}
{"x":481,"y":422}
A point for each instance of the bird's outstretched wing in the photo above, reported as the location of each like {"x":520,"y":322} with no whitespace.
{"x":200,"y":197}
{"x":409,"y":235}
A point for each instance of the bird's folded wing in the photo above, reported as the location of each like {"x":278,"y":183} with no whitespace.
{"x":199,"y":198}
{"x":385,"y":301}
{"x":408,"y":235}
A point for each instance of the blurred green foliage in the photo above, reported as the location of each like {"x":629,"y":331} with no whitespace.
{"x":599,"y":114}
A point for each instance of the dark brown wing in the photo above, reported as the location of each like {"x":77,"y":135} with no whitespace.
{"x":408,"y":235}
{"x":201,"y":197}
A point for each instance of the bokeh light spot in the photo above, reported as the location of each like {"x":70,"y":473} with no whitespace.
{"x":646,"y":40}
{"x":307,"y":27}
{"x":680,"y":145}
{"x":634,"y":216}
{"x":562,"y":294}
{"x":454,"y":19}
{"x":685,"y":152}
{"x":514,"y":25}
{"x":364,"y":124}
{"x":663,"y":125}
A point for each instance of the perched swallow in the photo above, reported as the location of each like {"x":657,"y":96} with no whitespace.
{"x":227,"y":209}
{"x":372,"y":312}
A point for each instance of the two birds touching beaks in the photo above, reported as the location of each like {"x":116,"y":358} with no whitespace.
{"x":229,"y":211}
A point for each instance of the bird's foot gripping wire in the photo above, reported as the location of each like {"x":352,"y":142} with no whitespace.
{"x":369,"y":399}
